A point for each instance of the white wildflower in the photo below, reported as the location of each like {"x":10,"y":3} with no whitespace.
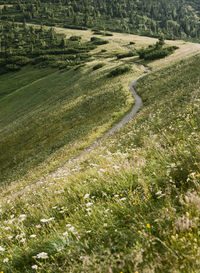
{"x":33,"y":236}
{"x":89,"y":204}
{"x":42,"y":255}
{"x":71,"y":229}
{"x":86,"y":196}
{"x":5,"y":260}
{"x":2,"y":248}
{"x":65,"y":233}
{"x":34,"y":266}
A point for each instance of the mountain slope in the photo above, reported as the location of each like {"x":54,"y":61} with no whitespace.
{"x":131,"y":205}
{"x":174,"y":18}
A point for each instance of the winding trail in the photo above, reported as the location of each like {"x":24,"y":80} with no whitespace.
{"x":137,"y":105}
{"x":63,"y":170}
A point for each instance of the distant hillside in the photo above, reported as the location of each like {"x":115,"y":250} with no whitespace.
{"x":173,"y":18}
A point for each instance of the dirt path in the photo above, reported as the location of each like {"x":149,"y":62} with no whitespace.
{"x":137,"y":105}
{"x":64,"y":170}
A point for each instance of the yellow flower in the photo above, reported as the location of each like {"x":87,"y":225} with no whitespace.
{"x":139,"y":231}
{"x":148,"y":226}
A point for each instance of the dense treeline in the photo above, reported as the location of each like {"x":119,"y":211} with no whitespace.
{"x":21,"y":45}
{"x":173,"y":18}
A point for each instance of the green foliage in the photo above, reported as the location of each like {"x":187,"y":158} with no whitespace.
{"x":156,"y":51}
{"x":98,"y":41}
{"x":21,"y":45}
{"x":126,"y":55}
{"x":118,"y":71}
{"x":174,"y":19}
{"x":75,"y":38}
{"x":97,"y":66}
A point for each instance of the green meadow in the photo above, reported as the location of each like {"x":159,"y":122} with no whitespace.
{"x":128,"y":205}
{"x":57,"y":114}
{"x":131,"y":204}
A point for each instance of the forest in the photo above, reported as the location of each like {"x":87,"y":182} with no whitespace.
{"x":21,"y":44}
{"x":175,"y":19}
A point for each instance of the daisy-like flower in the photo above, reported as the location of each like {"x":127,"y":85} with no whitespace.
{"x":34,"y":266}
{"x":71,"y":229}
{"x":89,"y":204}
{"x":65,"y":233}
{"x":42,"y":255}
{"x":33,"y":236}
{"x":2,"y":248}
{"x":86,"y":196}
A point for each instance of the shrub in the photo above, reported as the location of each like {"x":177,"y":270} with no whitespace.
{"x":75,"y":38}
{"x":12,"y":67}
{"x":98,"y":41}
{"x":126,"y":55}
{"x":97,"y":66}
{"x":118,"y":71}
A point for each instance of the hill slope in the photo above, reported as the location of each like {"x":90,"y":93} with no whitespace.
{"x":173,"y":18}
{"x":132,"y":205}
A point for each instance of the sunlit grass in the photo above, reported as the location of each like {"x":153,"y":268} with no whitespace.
{"x":131,"y":205}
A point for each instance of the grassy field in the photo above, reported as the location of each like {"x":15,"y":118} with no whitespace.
{"x":120,"y":42}
{"x":57,"y":115}
{"x":131,"y":205}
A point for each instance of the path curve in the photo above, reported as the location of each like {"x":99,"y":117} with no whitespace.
{"x":137,"y":105}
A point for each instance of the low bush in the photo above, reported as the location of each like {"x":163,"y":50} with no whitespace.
{"x":126,"y":55}
{"x":75,"y":38}
{"x":98,"y":41}
{"x":98,"y":66}
{"x":118,"y":71}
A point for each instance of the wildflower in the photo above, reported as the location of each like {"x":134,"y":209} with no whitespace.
{"x":46,"y":220}
{"x":65,"y":233}
{"x":2,"y":248}
{"x":88,"y":231}
{"x":148,"y":226}
{"x":139,"y":231}
{"x":71,"y":229}
{"x":86,"y":196}
{"x":5,"y":260}
{"x":89,"y":204}
{"x":34,"y":266}
{"x":42,"y":255}
{"x":33,"y":236}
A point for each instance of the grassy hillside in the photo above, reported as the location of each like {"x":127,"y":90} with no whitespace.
{"x":132,"y":205}
{"x":57,"y":114}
